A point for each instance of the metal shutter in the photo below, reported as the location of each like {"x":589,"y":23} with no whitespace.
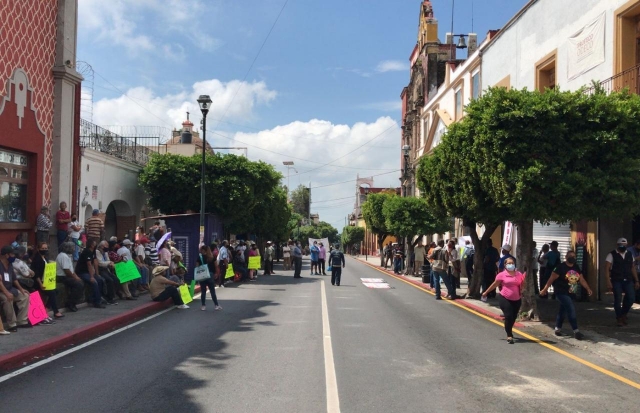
{"x":544,"y":234}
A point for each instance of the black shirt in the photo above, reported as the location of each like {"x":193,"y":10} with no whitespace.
{"x":567,"y":282}
{"x":86,"y":258}
{"x":37,"y":265}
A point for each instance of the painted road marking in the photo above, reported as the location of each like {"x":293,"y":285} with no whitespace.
{"x":372,"y":280}
{"x":83,"y":345}
{"x":523,"y":334}
{"x":333,"y":401}
{"x":377,"y":283}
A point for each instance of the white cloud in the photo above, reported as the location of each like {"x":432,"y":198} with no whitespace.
{"x":391,"y":66}
{"x":134,"y":24}
{"x":140,"y":106}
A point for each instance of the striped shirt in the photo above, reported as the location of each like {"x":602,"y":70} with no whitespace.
{"x":94,"y":227}
{"x":43,"y":223}
{"x":152,"y":253}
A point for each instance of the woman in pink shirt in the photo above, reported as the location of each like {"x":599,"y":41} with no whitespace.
{"x":511,"y":283}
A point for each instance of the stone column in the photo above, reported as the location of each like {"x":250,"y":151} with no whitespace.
{"x":64,"y":107}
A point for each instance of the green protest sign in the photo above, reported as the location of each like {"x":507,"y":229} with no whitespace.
{"x":254,"y":263}
{"x":127,"y":271}
{"x":184,"y":293}
{"x":230,"y":273}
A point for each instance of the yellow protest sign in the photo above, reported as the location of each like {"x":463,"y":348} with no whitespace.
{"x":184,"y":293}
{"x":254,"y":263}
{"x":49,"y":277}
{"x":230,"y":273}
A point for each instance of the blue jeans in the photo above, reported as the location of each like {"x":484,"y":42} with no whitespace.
{"x":76,"y":250}
{"x":432,"y":284}
{"x":61,"y":236}
{"x":211,"y":284}
{"x":96,"y":285}
{"x":621,"y":306}
{"x":447,"y":282}
{"x":566,"y":306}
{"x":144,"y":275}
{"x":397,"y":265}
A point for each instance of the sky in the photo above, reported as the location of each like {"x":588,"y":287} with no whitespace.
{"x":313,"y":82}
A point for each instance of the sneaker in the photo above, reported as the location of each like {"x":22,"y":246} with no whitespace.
{"x":183,"y":307}
{"x":217,"y":308}
{"x":578,"y":335}
{"x":4,"y":333}
{"x":558,"y":333}
{"x":203,"y":308}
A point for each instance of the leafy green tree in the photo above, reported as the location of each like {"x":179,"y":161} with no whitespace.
{"x":351,"y":236}
{"x":375,"y":219}
{"x":320,"y":230}
{"x":300,"y":200}
{"x":556,"y":156}
{"x":272,"y":215}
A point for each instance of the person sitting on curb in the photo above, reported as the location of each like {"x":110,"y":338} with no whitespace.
{"x":162,"y":288}
{"x":11,"y":292}
{"x":38,"y":265}
{"x":86,"y":270}
{"x":66,"y":275}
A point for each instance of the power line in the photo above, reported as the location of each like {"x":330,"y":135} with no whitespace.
{"x":353,"y":180}
{"x":336,"y":199}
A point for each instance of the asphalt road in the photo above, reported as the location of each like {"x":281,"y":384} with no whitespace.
{"x":395,"y":350}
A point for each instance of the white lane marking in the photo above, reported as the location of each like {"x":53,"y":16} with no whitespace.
{"x":83,"y":345}
{"x":333,"y":401}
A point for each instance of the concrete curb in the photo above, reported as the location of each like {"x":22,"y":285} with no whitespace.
{"x":463,"y":302}
{"x":22,"y":357}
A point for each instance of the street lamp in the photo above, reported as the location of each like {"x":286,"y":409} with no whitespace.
{"x":289,"y":165}
{"x":205,"y":103}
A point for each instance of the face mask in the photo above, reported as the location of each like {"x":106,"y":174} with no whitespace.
{"x":571,"y":260}
{"x":511,"y":267}
{"x":622,"y":247}
{"x":44,"y":253}
{"x":11,"y":259}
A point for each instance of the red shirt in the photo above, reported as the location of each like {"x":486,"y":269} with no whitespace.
{"x":62,"y":215}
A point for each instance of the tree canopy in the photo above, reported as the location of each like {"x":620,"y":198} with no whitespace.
{"x":409,"y":217}
{"x":351,"y":236}
{"x":300,"y":198}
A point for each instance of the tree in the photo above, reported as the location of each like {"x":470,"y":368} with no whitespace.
{"x":319,"y":230}
{"x":351,"y":236}
{"x":556,"y":156}
{"x":300,"y":200}
{"x":409,"y":217}
{"x":272,"y":215}
{"x":374,"y":218}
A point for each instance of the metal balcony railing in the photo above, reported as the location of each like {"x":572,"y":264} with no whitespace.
{"x":134,"y":150}
{"x":629,"y":79}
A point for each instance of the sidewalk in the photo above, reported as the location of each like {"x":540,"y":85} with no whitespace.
{"x":596,"y":320}
{"x":31,"y":344}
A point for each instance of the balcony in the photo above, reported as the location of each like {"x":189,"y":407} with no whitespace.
{"x":623,"y":80}
{"x":134,"y":150}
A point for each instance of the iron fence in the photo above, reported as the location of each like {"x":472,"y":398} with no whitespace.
{"x":137,"y":150}
{"x":628,"y":79}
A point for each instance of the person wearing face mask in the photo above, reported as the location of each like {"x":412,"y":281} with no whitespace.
{"x":12,"y":293}
{"x":40,"y":260}
{"x":622,"y":277}
{"x":565,"y":278}
{"x":511,"y":283}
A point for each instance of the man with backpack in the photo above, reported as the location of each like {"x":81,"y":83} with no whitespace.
{"x":336,"y":258}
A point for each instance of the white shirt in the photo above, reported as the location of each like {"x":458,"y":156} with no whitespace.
{"x":21,"y":269}
{"x":125,"y":254}
{"x":63,"y":262}
{"x":286,"y":252}
{"x":222,"y":254}
{"x":140,"y":251}
{"x":74,"y":234}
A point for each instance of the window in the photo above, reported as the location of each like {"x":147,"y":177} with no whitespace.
{"x":459,"y":107}
{"x":423,"y":127}
{"x":626,"y":53}
{"x":14,"y":180}
{"x":475,"y":85}
{"x":546,"y":72}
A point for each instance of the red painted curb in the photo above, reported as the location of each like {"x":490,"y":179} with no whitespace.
{"x":20,"y":358}
{"x":464,"y":302}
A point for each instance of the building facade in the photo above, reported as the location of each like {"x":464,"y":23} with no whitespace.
{"x":39,"y":112}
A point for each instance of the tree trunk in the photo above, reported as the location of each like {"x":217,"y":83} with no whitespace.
{"x":480,"y":245}
{"x":524,"y":256}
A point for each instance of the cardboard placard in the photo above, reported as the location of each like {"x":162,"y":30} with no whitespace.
{"x":254,"y":263}
{"x":49,"y":277}
{"x":37,"y":312}
{"x":184,"y":293}
{"x":127,"y":271}
{"x":230,"y":273}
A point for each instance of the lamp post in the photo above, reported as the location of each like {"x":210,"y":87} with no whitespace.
{"x":289,"y":165}
{"x":205,"y":103}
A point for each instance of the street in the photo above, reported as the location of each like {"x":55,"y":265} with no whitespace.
{"x":394,"y":350}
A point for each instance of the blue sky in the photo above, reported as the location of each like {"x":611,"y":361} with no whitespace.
{"x":326,"y":83}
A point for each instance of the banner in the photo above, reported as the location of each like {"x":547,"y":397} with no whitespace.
{"x":254,"y":263}
{"x":37,"y":312}
{"x":127,"y":271}
{"x":508,"y":233}
{"x":49,"y":278}
{"x":324,"y":241}
{"x":230,"y":273}
{"x":184,"y":293}
{"x":586,"y":48}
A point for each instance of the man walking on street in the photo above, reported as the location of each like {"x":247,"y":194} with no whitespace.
{"x":440,"y":264}
{"x":454,"y":265}
{"x":388,"y":254}
{"x":268,"y":259}
{"x":296,"y":256}
{"x":621,"y":278}
{"x":552,"y":261}
{"x":336,"y":258}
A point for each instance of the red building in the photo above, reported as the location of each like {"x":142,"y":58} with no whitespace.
{"x":39,"y":112}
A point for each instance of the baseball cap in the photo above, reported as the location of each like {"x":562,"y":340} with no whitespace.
{"x":7,"y":249}
{"x":622,"y":241}
{"x":506,"y":247}
{"x":126,"y":242}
